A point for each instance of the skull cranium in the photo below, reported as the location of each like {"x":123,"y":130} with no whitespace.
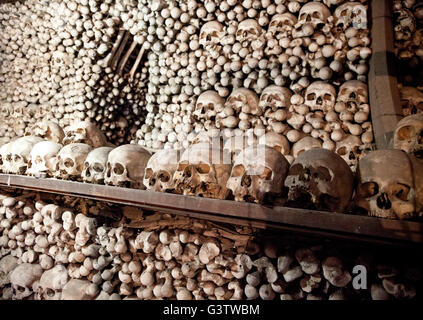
{"x":245,"y":100}
{"x":248,"y":31}
{"x":351,"y":14}
{"x":42,"y":159}
{"x":160,"y":169}
{"x":85,"y":132}
{"x":70,"y":161}
{"x":95,"y":165}
{"x":208,"y":104}
{"x":211,"y":34}
{"x":320,"y":96}
{"x":22,"y":278}
{"x":51,"y":283}
{"x":20,"y":150}
{"x":353,"y":93}
{"x":313,"y":13}
{"x":282,"y":24}
{"x":408,"y":135}
{"x":275,"y":97}
{"x":411,"y":100}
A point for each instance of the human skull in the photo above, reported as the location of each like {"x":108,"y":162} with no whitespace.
{"x":276,"y":141}
{"x":6,"y":157}
{"x":305,"y":144}
{"x":404,"y":24}
{"x":22,"y":278}
{"x":160,"y":169}
{"x":126,"y":165}
{"x":313,"y":13}
{"x":60,"y":59}
{"x":411,"y":100}
{"x":321,"y":180}
{"x":351,"y":14}
{"x":258,"y":174}
{"x":320,"y":96}
{"x":211,"y":34}
{"x":95,"y":165}
{"x":51,"y":283}
{"x":350,"y":150}
{"x":203,"y":171}
{"x":282,"y":24}
{"x":78,"y":289}
{"x":42,"y":159}
{"x":85,"y":132}
{"x":208,"y":104}
{"x":20,"y":150}
{"x":48,"y":130}
{"x":353,"y":93}
{"x":248,"y":31}
{"x":408,"y":135}
{"x":386,"y":188}
{"x":245,"y":100}
{"x":275,"y":97}
{"x":70,"y":161}
{"x":7,"y":264}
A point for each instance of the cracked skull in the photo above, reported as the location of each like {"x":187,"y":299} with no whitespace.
{"x":160,"y":169}
{"x":408,"y":135}
{"x":320,"y":96}
{"x":42,"y":159}
{"x":20,"y":150}
{"x":258,"y":173}
{"x":282,"y":24}
{"x":353,"y":93}
{"x":95,"y":165}
{"x":48,"y":130}
{"x":321,"y":180}
{"x":208,"y":104}
{"x":351,"y":14}
{"x":70,"y":161}
{"x":275,"y":97}
{"x":85,"y":132}
{"x":386,"y":188}
{"x":248,"y":31}
{"x":245,"y":100}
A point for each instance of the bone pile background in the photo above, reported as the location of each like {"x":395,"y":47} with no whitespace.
{"x":51,"y":252}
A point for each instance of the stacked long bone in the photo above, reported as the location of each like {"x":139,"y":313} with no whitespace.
{"x":390,"y":181}
{"x":51,"y":252}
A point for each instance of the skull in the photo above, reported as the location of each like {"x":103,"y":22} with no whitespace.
{"x":70,"y":161}
{"x":411,"y":100}
{"x":275,"y":141}
{"x":6,"y":157}
{"x":245,"y":100}
{"x":77,"y":289}
{"x":282,"y":24}
{"x":320,"y":96}
{"x":95,"y":165}
{"x":20,"y":151}
{"x":22,"y":278}
{"x":305,"y":144}
{"x":211,"y":34}
{"x":203,"y":171}
{"x":48,"y":130}
{"x":351,"y":14}
{"x":60,"y":59}
{"x":275,"y":97}
{"x":208,"y":104}
{"x":160,"y":169}
{"x":7,"y":264}
{"x":350,"y":150}
{"x":85,"y":132}
{"x":126,"y":165}
{"x":386,"y":187}
{"x":321,"y":180}
{"x":313,"y":13}
{"x":51,"y":283}
{"x":258,"y":174}
{"x":248,"y":31}
{"x":408,"y":135}
{"x":353,"y":93}
{"x":404,"y":24}
{"x":42,"y":159}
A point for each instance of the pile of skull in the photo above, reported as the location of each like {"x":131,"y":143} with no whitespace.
{"x":408,"y":46}
{"x":390,"y":181}
{"x":49,"y":252}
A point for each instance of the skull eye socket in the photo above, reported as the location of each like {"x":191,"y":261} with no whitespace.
{"x":311,"y":96}
{"x":405,"y":133}
{"x":267,"y":174}
{"x":203,"y":168}
{"x":69,"y":163}
{"x":182,"y":166}
{"x":342,"y":151}
{"x":98,"y":167}
{"x":327,"y":97}
{"x":164,"y":176}
{"x":118,"y":169}
{"x":238,"y":171}
{"x":316,"y":15}
{"x":368,"y":189}
{"x":296,"y":169}
{"x":401,"y":191}
{"x":148,"y":173}
{"x":323,"y":174}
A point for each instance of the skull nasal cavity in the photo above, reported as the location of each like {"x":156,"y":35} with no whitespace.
{"x":383,"y":202}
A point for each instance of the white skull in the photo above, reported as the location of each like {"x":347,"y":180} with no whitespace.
{"x":248,"y":31}
{"x":353,"y":93}
{"x":350,"y":149}
{"x":320,"y":96}
{"x":386,"y":187}
{"x":245,"y":100}
{"x":351,"y":14}
{"x":77,"y":289}
{"x":305,"y":144}
{"x":160,"y":169}
{"x":20,"y":151}
{"x":70,"y":161}
{"x":275,"y":97}
{"x":276,"y":141}
{"x":203,"y":171}
{"x":7,"y":264}
{"x":6,"y":157}
{"x":321,"y":180}
{"x":95,"y":165}
{"x":408,"y":135}
{"x":22,"y":278}
{"x":208,"y":104}
{"x":258,"y":174}
{"x":282,"y":24}
{"x":42,"y":159}
{"x":313,"y":13}
{"x":85,"y":132}
{"x":51,"y":283}
{"x":411,"y":100}
{"x":211,"y":34}
{"x":48,"y":130}
{"x":126,"y":165}
{"x":60,"y":59}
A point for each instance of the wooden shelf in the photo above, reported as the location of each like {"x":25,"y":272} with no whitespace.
{"x":311,"y":222}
